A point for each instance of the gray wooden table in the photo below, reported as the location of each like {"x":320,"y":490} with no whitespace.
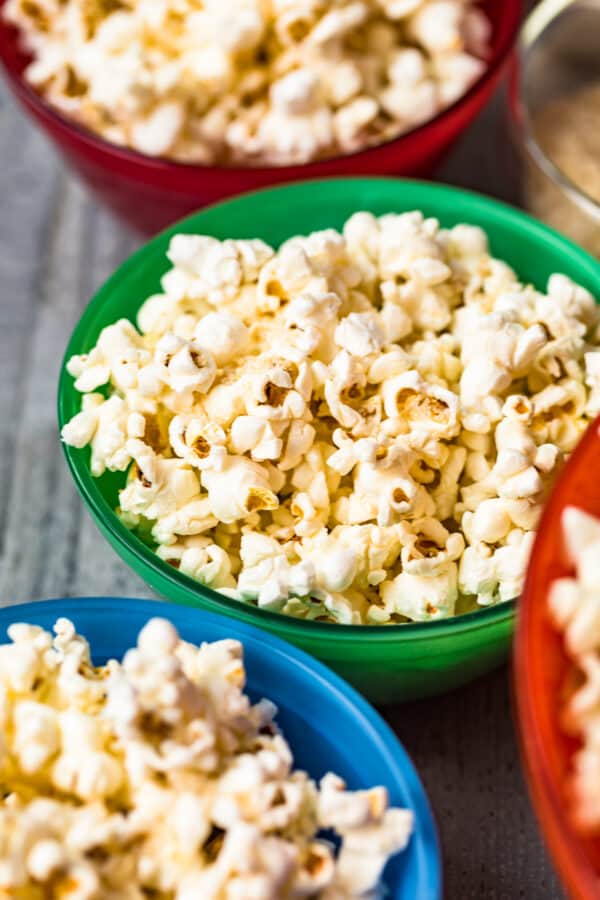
{"x":56,"y":248}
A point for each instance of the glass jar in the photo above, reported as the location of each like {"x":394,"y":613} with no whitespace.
{"x":558,"y":56}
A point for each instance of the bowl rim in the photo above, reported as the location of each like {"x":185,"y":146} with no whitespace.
{"x":163,"y":165}
{"x":533,"y":28}
{"x":563,"y":838}
{"x":400,"y":766}
{"x":501,"y":612}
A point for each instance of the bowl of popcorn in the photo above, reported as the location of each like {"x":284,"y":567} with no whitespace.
{"x":165,"y":107}
{"x":345,"y":437}
{"x":557,"y":665}
{"x":195,"y":757}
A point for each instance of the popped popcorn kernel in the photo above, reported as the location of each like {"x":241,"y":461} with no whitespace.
{"x":360,"y":427}
{"x":574,"y":606}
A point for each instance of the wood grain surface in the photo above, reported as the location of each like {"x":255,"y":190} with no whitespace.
{"x":56,"y":248}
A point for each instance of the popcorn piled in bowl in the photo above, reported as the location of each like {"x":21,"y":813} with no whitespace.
{"x":158,"y":777}
{"x":360,"y":427}
{"x":575,"y":608}
{"x":251,"y":82}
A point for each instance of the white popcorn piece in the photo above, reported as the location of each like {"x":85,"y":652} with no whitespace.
{"x":272,"y":393}
{"x":157,"y":487}
{"x":558,"y":414}
{"x":581,"y":531}
{"x":159,"y":770}
{"x":382,"y":491}
{"x":46,"y":859}
{"x":238,"y":488}
{"x":117,"y":356}
{"x":573,"y":605}
{"x":446,"y":491}
{"x":345,"y":385}
{"x":223,"y":334}
{"x":430,"y":548}
{"x":255,"y":435}
{"x":191,"y":517}
{"x":421,"y":406}
{"x":414,"y":105}
{"x":157,"y":134}
{"x":354,"y":120}
{"x":197,"y":441}
{"x":37,"y":735}
{"x":592,"y":380}
{"x":437,"y":26}
{"x":493,"y":575}
{"x":386,"y":406}
{"x":103,"y":425}
{"x":455,"y":73}
{"x":490,"y":522}
{"x":422,"y":598}
{"x":225,"y":402}
{"x":574,"y":300}
{"x":359,"y":334}
{"x":200,"y":559}
{"x":189,"y":366}
{"x":300,"y":438}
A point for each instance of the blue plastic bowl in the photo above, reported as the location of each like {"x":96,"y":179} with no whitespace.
{"x":327,"y":723}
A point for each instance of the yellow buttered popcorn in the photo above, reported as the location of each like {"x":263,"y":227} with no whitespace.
{"x":251,"y":82}
{"x":359,"y":427}
{"x":157,"y":776}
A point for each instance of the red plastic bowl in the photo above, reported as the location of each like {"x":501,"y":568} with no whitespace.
{"x":152,"y":193}
{"x":541,"y":674}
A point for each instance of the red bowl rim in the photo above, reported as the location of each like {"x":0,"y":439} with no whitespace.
{"x":576,"y":857}
{"x":512,"y":9}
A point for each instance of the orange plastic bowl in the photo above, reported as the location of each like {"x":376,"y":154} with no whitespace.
{"x":151,"y":193}
{"x":541,"y":673}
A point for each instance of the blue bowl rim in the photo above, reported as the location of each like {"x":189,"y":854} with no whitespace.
{"x":399,"y":764}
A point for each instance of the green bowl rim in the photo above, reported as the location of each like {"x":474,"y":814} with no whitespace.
{"x":501,"y":612}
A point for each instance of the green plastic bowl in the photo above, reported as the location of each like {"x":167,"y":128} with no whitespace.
{"x":386,"y":663}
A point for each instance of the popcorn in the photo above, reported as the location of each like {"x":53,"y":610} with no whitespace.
{"x":250,"y":82}
{"x":421,"y":598}
{"x":356,"y":816}
{"x":254,"y":434}
{"x":421,"y":406}
{"x":592,"y":380}
{"x":188,"y":366}
{"x":359,"y":334}
{"x":158,"y":775}
{"x":575,"y":611}
{"x":197,"y":441}
{"x":225,"y":335}
{"x":104,"y":425}
{"x":116,"y":357}
{"x":199,"y":558}
{"x":490,"y":523}
{"x":558,"y":411}
{"x":493,"y":575}
{"x":360,"y":427}
{"x":238,"y":488}
{"x":157,"y":487}
{"x":382,"y":490}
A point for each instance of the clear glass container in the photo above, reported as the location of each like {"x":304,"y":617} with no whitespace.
{"x":558,"y":56}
